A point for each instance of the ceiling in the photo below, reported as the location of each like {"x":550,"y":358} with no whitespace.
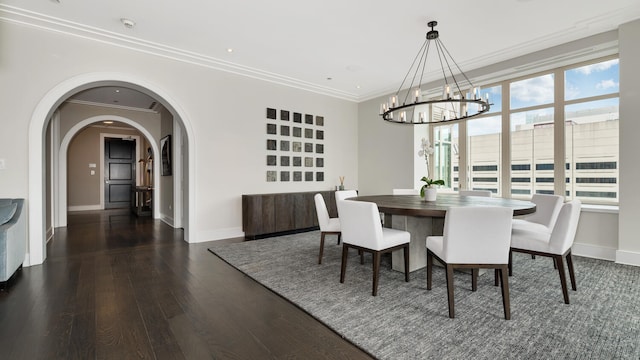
{"x":351,"y":49}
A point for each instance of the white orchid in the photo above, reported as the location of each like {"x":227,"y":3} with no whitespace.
{"x":425,"y":149}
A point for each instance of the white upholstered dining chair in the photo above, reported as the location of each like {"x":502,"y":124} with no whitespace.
{"x":473,"y":238}
{"x":328,"y":226}
{"x":361,"y":230}
{"x":485,"y":193}
{"x":556,"y":244}
{"x":344,"y":194}
{"x":543,"y":219}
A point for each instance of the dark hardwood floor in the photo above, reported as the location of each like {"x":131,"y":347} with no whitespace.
{"x":119,"y":287}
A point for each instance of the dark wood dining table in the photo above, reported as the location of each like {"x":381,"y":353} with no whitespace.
{"x":424,"y":218}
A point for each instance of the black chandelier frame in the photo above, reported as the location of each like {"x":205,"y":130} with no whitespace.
{"x":446,"y":63}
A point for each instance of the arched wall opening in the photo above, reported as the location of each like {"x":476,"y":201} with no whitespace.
{"x":40,"y":118}
{"x":61,"y":206}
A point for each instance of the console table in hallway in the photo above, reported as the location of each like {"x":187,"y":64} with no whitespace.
{"x":142,"y":201}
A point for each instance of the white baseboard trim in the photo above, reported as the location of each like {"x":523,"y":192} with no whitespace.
{"x":219,"y":234}
{"x":27,"y":260}
{"x":49,"y":234}
{"x":84,"y":207}
{"x":628,"y":258}
{"x":167,"y":220}
{"x":594,"y":251}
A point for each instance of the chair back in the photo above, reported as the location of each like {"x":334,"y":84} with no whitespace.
{"x":564,"y":232}
{"x":485,"y":193}
{"x":547,"y":209}
{"x":477,"y":235}
{"x":406,"y":192}
{"x":360,"y":224}
{"x":344,"y":194}
{"x":321,"y":210}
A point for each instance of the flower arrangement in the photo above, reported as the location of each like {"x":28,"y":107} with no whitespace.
{"x":425,"y":150}
{"x":341,"y":178}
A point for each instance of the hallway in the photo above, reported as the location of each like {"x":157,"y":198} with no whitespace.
{"x":115,"y":286}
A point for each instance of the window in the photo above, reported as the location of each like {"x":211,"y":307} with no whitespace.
{"x":532,"y":143}
{"x":445,"y":154}
{"x":591,"y":140}
{"x":591,"y":131}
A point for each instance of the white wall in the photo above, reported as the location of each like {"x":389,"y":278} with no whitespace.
{"x":629,"y":226}
{"x":387,"y":151}
{"x":223,"y":113}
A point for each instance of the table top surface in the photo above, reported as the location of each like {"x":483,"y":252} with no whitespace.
{"x":414,"y":205}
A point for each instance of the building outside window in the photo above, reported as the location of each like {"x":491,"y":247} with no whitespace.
{"x":591,"y":134}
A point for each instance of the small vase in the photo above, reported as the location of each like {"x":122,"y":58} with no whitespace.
{"x":430,"y":194}
{"x":341,"y":187}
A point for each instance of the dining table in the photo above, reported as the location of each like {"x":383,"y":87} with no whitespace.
{"x":425,"y":218}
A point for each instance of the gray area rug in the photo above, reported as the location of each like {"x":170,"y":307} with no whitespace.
{"x":406,"y":321}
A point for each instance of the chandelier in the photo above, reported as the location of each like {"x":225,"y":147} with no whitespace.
{"x":460,"y":98}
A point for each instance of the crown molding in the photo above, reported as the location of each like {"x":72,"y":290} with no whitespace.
{"x":48,"y":23}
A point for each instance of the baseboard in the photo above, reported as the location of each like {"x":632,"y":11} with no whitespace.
{"x":27,"y":260}
{"x":594,"y":251}
{"x":167,"y":220}
{"x":220,"y":234}
{"x":84,"y":207}
{"x":49,"y":234}
{"x":628,"y":258}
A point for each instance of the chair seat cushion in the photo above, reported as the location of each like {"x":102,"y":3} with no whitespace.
{"x":434,"y":243}
{"x":530,"y":240}
{"x":393,"y":237}
{"x":524,"y":225}
{"x":332,"y":226}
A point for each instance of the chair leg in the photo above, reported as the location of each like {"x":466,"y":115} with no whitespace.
{"x":339,"y":238}
{"x":343,"y":266}
{"x":449,"y":275}
{"x":376,"y":272}
{"x":505,"y":292}
{"x":496,"y":277}
{"x":572,"y":274}
{"x":510,"y":262}
{"x":361,"y":256}
{"x":429,"y":269}
{"x":406,"y":263}
{"x":533,"y":256}
{"x":555,"y":265}
{"x":563,"y":278}
{"x":474,"y":279}
{"x":321,"y":247}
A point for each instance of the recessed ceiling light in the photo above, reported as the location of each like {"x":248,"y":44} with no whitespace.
{"x":357,"y":86}
{"x":128,"y":23}
{"x":229,"y":50}
{"x":117,"y":90}
{"x":108,"y":122}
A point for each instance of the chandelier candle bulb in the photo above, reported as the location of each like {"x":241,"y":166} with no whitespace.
{"x":417,"y":95}
{"x":394,"y":101}
{"x":403,"y":116}
{"x":421,"y":116}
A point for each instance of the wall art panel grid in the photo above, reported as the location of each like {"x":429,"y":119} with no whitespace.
{"x":294,"y":146}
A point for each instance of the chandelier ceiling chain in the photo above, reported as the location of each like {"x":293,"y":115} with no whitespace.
{"x":462,"y":103}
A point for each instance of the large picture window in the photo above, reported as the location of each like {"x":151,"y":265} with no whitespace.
{"x":589,"y":171}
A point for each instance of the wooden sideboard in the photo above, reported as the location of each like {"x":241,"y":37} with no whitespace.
{"x":265,"y":215}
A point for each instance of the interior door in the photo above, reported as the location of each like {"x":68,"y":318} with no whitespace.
{"x":119,"y":172}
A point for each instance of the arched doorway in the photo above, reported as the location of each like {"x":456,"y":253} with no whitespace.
{"x":37,"y":154}
{"x":61,"y":206}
